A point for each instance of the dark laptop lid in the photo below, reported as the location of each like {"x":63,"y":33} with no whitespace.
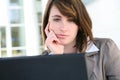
{"x":44,"y":67}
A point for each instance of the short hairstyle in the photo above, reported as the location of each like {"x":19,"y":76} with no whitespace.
{"x":76,"y":10}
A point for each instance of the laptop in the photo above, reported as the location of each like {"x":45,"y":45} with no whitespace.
{"x":44,"y":67}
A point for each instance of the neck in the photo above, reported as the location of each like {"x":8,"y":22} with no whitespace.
{"x":69,"y":49}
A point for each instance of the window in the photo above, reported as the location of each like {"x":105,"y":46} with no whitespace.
{"x":15,"y":2}
{"x":39,"y":16}
{"x":19,"y":52}
{"x":3,"y":37}
{"x":3,"y":41}
{"x":18,"y":38}
{"x":38,"y":7}
{"x":16,"y":16}
{"x":20,"y":34}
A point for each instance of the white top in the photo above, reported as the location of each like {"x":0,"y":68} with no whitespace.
{"x":91,"y":48}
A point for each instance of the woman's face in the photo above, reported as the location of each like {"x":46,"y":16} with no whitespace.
{"x":63,"y":27}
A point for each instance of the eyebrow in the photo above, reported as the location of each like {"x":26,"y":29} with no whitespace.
{"x":56,"y":16}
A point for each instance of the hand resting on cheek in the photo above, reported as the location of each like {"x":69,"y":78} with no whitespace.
{"x":52,"y":42}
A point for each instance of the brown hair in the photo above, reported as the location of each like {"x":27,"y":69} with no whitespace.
{"x":76,"y":10}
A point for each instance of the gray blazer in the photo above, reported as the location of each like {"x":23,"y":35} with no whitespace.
{"x":105,"y":63}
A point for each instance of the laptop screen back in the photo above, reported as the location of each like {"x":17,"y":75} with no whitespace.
{"x":44,"y":67}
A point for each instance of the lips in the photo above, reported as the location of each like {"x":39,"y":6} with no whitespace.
{"x":61,"y":36}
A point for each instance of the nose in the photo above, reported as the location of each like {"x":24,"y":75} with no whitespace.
{"x":63,"y":27}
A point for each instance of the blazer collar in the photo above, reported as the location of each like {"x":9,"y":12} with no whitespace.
{"x":91,"y":49}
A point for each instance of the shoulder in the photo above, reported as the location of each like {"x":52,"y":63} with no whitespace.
{"x":107,"y":48}
{"x":109,"y":55}
{"x":45,"y":52}
{"x":104,"y":42}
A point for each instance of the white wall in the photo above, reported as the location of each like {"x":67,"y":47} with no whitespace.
{"x":105,"y":15}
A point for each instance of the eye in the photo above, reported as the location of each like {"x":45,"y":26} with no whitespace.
{"x":70,"y":19}
{"x":56,"y":19}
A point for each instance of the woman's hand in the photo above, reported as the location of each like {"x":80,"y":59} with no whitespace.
{"x":52,"y":42}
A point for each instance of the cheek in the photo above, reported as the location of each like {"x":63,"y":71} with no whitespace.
{"x":74,"y":29}
{"x":74,"y":32}
{"x":53,"y":26}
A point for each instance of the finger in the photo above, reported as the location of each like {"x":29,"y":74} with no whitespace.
{"x":54,"y":37}
{"x":47,"y":31}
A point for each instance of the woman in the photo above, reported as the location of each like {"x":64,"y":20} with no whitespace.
{"x":67,"y":28}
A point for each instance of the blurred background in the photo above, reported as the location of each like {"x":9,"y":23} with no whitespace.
{"x":20,"y":22}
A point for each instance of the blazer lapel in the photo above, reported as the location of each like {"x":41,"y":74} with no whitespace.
{"x":90,"y":63}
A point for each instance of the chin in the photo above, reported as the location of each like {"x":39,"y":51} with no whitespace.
{"x":64,"y":43}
